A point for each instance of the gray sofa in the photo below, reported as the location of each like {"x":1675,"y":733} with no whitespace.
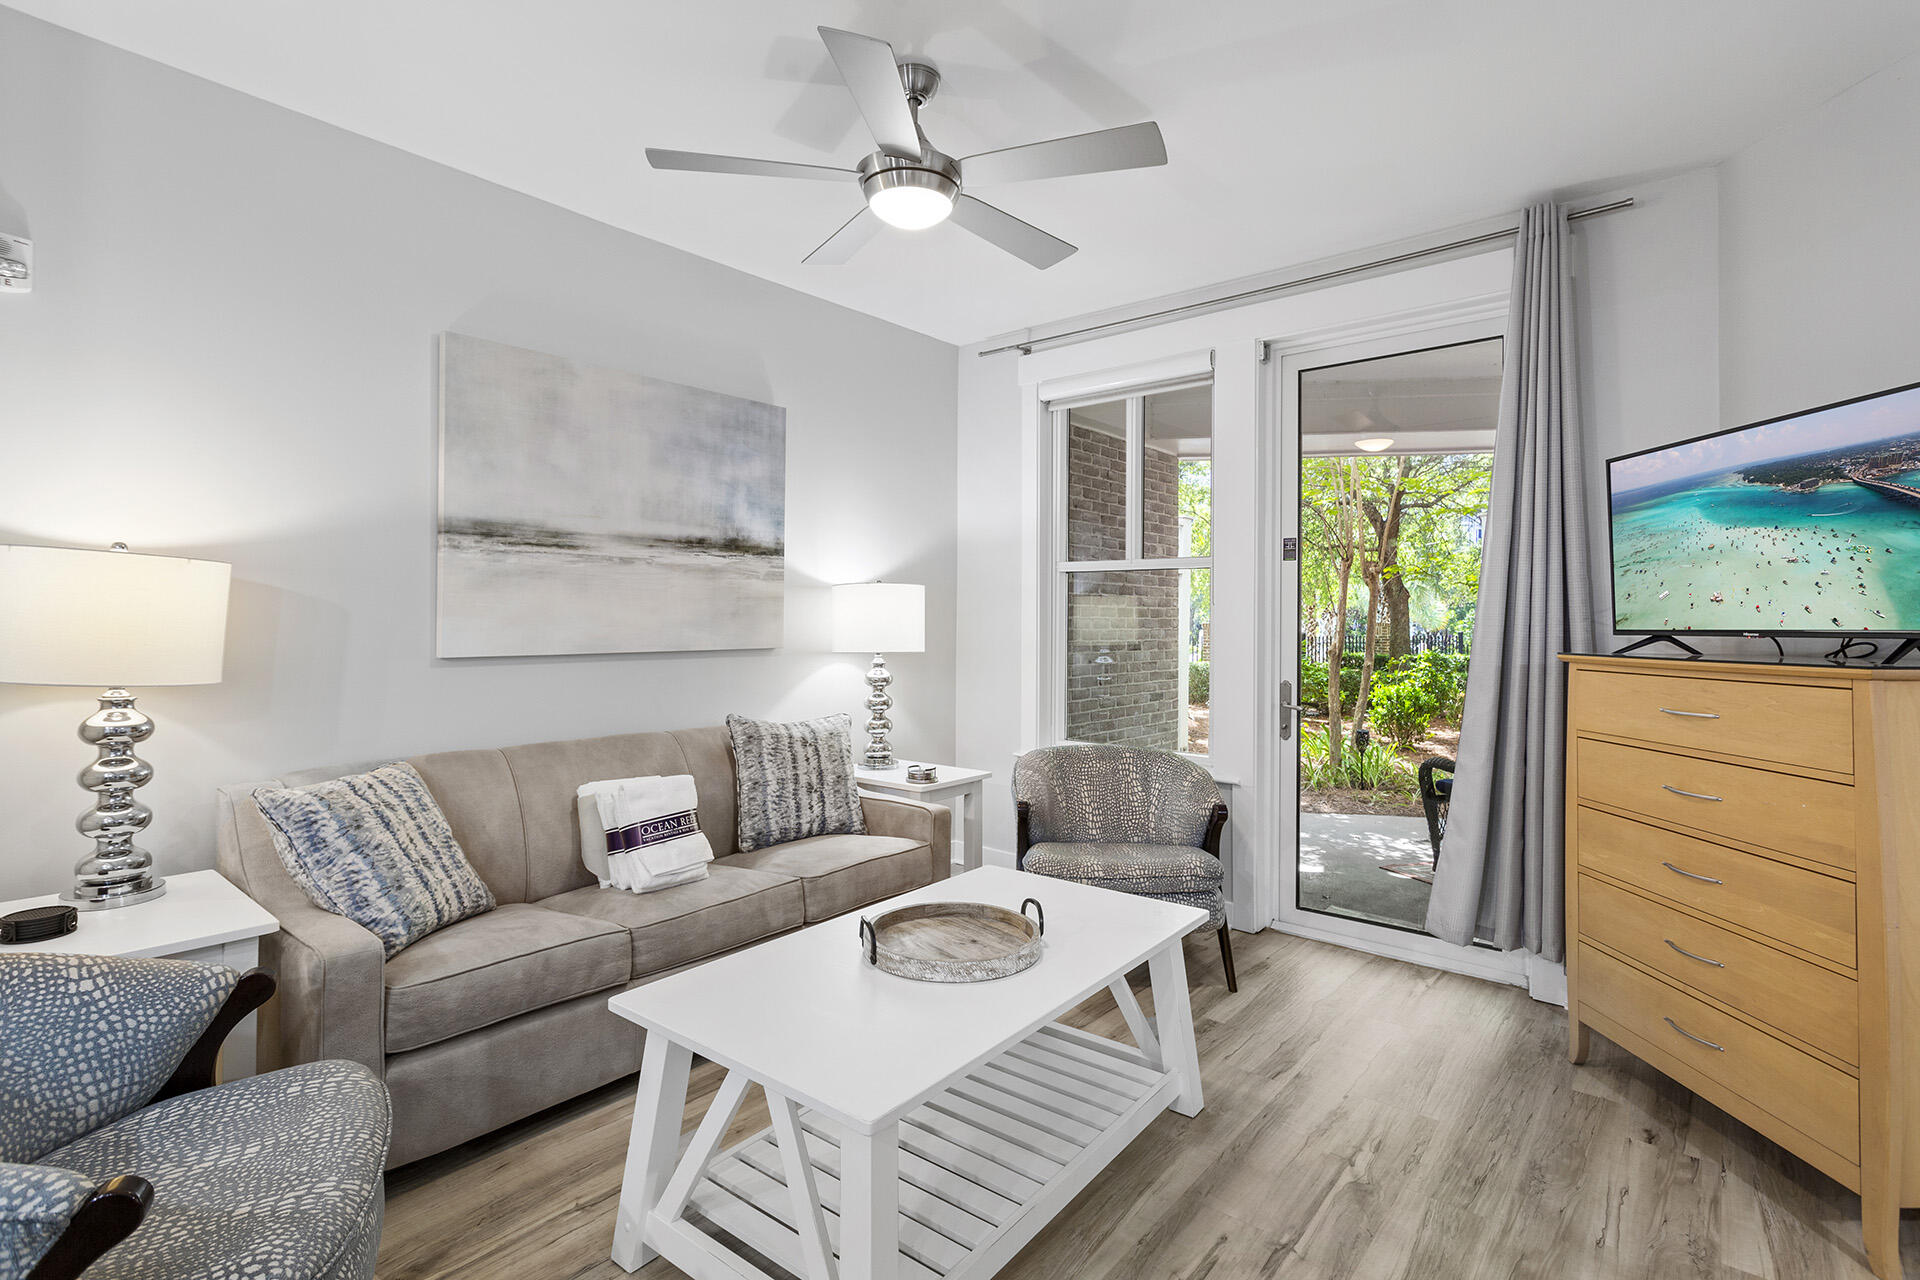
{"x":504,"y":1014}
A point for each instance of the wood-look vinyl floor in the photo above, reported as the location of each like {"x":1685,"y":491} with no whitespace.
{"x":1364,"y":1120}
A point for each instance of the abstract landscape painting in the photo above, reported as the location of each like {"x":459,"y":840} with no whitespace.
{"x":587,"y":510}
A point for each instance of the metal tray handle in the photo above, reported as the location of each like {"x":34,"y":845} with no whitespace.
{"x":869,"y":941}
{"x":1039,"y":914}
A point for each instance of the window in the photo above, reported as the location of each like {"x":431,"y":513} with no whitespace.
{"x":1135,"y":571}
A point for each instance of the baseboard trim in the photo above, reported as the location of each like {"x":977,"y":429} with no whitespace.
{"x":1491,"y":970}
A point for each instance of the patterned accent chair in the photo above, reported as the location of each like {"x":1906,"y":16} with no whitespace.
{"x":1126,"y":818}
{"x":120,"y":1158}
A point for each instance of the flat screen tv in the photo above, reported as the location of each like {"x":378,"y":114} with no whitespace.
{"x":1808,"y":524}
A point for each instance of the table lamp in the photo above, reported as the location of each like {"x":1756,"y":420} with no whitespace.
{"x":877,"y":618}
{"x":77,"y":617}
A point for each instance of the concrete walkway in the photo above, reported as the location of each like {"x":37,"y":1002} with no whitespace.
{"x":1341,"y":856}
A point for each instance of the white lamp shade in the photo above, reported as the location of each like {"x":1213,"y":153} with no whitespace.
{"x":880,"y":617}
{"x":109,"y":618}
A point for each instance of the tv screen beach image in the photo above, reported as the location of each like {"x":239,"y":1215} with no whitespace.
{"x":1809,"y":523}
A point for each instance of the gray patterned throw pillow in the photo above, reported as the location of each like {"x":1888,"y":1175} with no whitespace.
{"x":794,"y":780}
{"x":375,"y":848}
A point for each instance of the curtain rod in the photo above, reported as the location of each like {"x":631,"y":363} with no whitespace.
{"x":1027,"y":347}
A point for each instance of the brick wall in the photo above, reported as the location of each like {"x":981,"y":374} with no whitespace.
{"x":1123,"y":629}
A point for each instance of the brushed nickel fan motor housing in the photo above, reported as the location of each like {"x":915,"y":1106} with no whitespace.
{"x":931,"y":169}
{"x":921,"y":80}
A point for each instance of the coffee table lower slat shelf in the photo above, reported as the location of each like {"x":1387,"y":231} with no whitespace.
{"x":983,"y":1165}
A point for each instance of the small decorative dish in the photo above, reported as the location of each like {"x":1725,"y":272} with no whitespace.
{"x":922,"y":773}
{"x":954,"y":941}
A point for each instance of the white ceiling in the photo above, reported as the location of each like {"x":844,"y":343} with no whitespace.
{"x":1296,"y":130}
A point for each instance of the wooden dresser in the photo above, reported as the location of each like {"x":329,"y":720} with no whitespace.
{"x":1740,"y":840}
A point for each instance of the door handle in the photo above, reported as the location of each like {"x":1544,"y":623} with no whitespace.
{"x":1692,"y":715}
{"x":1288,"y":705}
{"x":1692,"y":795}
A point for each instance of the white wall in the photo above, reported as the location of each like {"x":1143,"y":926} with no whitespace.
{"x":229,"y":353}
{"x":1647,"y":296}
{"x":1820,"y":254}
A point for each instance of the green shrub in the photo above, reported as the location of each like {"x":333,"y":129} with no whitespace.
{"x":1442,"y":676}
{"x":1376,"y":768}
{"x":1402,"y":710}
{"x":1313,"y":683}
{"x":1199,"y":683}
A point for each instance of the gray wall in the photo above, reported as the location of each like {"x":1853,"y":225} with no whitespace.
{"x":229,"y":353}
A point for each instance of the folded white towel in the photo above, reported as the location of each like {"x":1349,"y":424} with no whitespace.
{"x":643,"y":834}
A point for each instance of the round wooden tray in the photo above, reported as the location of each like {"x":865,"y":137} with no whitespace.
{"x":953,"y":941}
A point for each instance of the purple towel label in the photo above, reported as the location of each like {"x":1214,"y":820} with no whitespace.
{"x":639,"y":835}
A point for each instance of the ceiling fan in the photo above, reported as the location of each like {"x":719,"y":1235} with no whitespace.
{"x":908,"y":184}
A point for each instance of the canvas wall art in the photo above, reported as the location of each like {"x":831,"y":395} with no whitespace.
{"x":587,"y":510}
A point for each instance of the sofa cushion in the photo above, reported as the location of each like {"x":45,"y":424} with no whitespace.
{"x":274,"y":1175}
{"x":1150,"y":869}
{"x":733,"y":906}
{"x":839,"y":873}
{"x":546,"y":780}
{"x":480,"y":971}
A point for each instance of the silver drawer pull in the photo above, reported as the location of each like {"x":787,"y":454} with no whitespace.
{"x":1691,"y":795}
{"x":1690,"y":875}
{"x":1717,"y":1048}
{"x":1692,"y":715}
{"x":1689,"y":955}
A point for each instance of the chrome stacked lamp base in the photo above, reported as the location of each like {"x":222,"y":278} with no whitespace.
{"x":879,"y":752}
{"x":118,"y":873}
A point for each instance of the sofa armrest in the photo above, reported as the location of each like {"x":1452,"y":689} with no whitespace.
{"x":932,"y":824}
{"x":331,"y":975}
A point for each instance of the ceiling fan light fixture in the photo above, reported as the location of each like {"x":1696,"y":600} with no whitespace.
{"x":911,"y":196}
{"x":1374,"y":444}
{"x":910,"y":208}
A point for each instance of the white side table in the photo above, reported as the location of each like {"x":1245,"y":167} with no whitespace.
{"x":969,"y":785}
{"x":200,"y":917}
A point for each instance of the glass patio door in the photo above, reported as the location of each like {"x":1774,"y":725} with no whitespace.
{"x":1384,"y":460}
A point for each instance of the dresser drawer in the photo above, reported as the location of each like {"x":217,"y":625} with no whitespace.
{"x":1797,"y":724}
{"x":1784,"y":811}
{"x":1797,"y":1088}
{"x":1796,"y":996}
{"x":1801,"y":908}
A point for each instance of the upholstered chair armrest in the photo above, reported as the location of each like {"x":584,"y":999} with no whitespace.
{"x":90,"y":1039}
{"x":1216,"y":821}
{"x":1022,"y":832}
{"x":929,"y":823}
{"x":54,"y":1222}
{"x":196,"y":1070}
{"x":331,"y":976}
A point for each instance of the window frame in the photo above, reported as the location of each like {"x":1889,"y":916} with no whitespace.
{"x":1061,"y":568}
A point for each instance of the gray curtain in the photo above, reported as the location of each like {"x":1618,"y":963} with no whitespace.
{"x":1501,"y":874}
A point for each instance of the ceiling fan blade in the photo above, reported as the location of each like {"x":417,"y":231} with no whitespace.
{"x":1024,"y":241}
{"x":873,"y":77}
{"x":704,"y":162}
{"x":1134,"y":146}
{"x":839,"y":247}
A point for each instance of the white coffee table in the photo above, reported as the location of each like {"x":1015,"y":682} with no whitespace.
{"x":919,"y":1129}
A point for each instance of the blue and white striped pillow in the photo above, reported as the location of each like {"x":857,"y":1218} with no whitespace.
{"x":375,"y":847}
